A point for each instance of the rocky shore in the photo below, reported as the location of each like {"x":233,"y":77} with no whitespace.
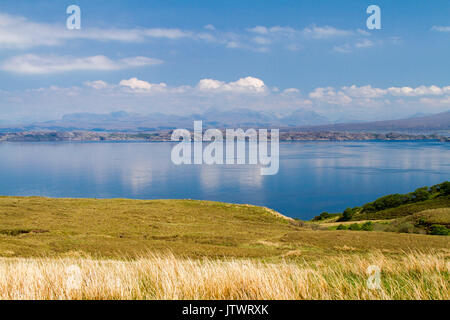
{"x":161,"y":136}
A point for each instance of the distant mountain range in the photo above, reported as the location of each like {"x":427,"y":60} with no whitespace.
{"x":124,"y":121}
{"x":299,"y":120}
{"x":418,"y":123}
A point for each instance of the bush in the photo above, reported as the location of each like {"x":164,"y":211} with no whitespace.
{"x":440,"y":230}
{"x":406,"y":227}
{"x":322,"y":216}
{"x":341,"y":227}
{"x":368,"y":226}
{"x":443,"y":188}
{"x":390,"y":201}
{"x":347,"y":215}
{"x":354,"y":227}
{"x":420,"y":194}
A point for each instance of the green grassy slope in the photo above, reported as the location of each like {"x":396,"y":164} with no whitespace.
{"x":394,"y":205}
{"x":34,"y":226}
{"x":404,"y":210}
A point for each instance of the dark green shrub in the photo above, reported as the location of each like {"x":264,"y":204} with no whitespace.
{"x":368,"y":226}
{"x":443,"y":188}
{"x":389,"y":201}
{"x":347,"y":215}
{"x":440,"y":230}
{"x":354,"y":227}
{"x":322,"y":216}
{"x":341,"y":227}
{"x":420,"y":194}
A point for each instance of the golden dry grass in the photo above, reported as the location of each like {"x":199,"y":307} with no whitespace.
{"x":414,"y":275}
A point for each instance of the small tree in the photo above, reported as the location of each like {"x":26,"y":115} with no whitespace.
{"x":347,"y":215}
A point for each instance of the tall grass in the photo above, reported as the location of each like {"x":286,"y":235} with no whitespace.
{"x":410,"y":276}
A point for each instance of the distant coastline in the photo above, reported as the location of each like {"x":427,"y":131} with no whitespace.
{"x":165,"y":136}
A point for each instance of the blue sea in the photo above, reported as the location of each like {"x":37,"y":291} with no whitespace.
{"x":313,"y":176}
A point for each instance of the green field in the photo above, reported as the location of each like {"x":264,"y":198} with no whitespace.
{"x":33,"y":226}
{"x":184,"y":249}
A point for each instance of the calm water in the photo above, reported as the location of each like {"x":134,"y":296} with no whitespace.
{"x":313,"y":176}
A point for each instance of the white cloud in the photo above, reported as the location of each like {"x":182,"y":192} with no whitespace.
{"x":97,"y":84}
{"x":316,"y":32}
{"x":136,"y":95}
{"x":35,"y":64}
{"x":441,"y":28}
{"x":342,"y":48}
{"x":348,"y":94}
{"x":141,"y":86}
{"x":261,"y":40}
{"x":330,"y":95}
{"x":166,"y":33}
{"x":210,"y":27}
{"x":291,"y":91}
{"x":363,"y":32}
{"x":359,"y":44}
{"x":325,"y":32}
{"x":259,"y":29}
{"x":419,"y":91}
{"x":365,"y":43}
{"x":243,"y":85}
{"x":364,"y":91}
{"x":19,"y":32}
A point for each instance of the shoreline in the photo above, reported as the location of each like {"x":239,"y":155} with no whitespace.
{"x":165,"y":136}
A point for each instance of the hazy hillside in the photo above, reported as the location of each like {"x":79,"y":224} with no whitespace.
{"x":124,"y":121}
{"x":435,"y":122}
{"x":299,"y":120}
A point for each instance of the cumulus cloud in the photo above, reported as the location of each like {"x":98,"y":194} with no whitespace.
{"x":141,"y":86}
{"x":347,"y":94}
{"x":364,"y":91}
{"x":210,"y":27}
{"x":330,"y":95}
{"x":35,"y":64}
{"x":419,"y":91}
{"x":243,"y":85}
{"x":141,"y":96}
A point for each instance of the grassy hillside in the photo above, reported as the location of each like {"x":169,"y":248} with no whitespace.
{"x":394,"y":205}
{"x":413,"y":276}
{"x":183,"y":249}
{"x":424,"y":211}
{"x":126,"y":228}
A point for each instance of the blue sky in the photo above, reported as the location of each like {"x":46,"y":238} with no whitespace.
{"x":187,"y":56}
